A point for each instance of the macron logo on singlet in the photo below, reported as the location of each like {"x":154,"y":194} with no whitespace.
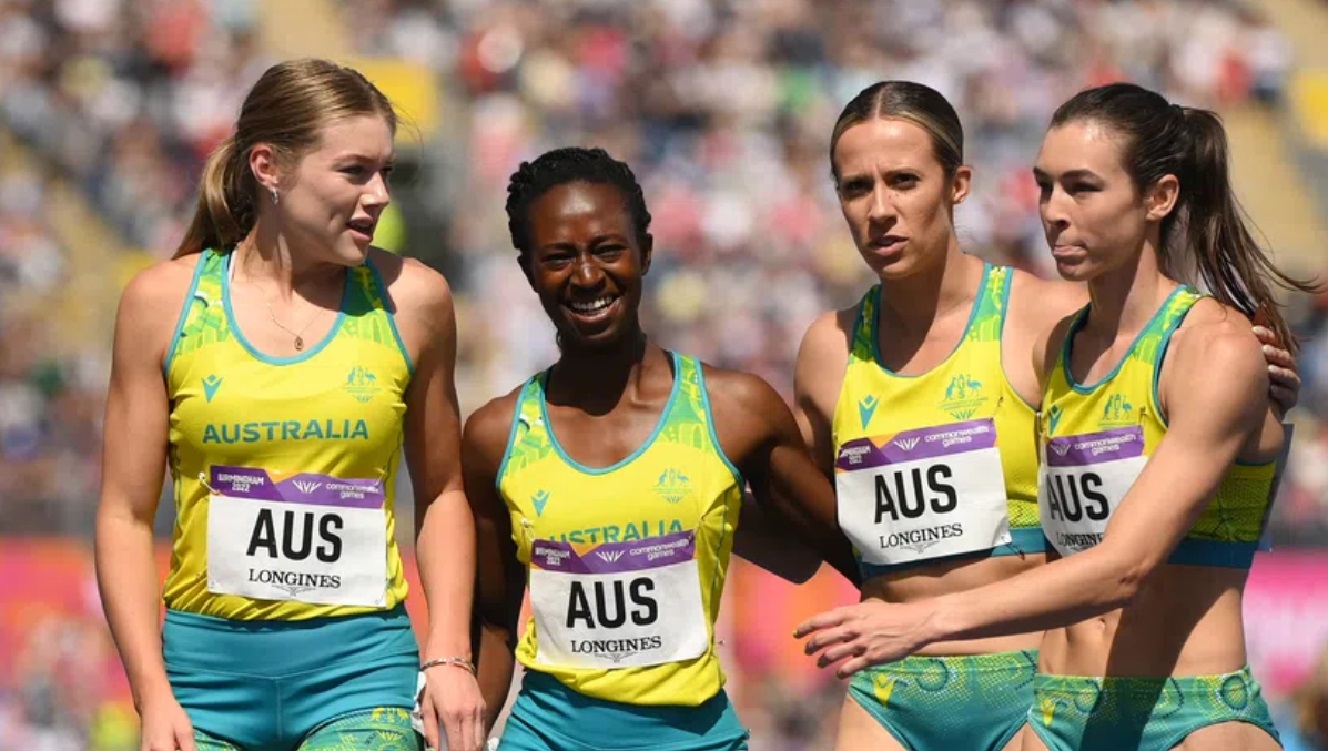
{"x":540,"y":500}
{"x":210,"y":386}
{"x":1054,"y":418}
{"x":866,"y":408}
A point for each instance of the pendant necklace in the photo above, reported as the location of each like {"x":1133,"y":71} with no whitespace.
{"x":299,"y":335}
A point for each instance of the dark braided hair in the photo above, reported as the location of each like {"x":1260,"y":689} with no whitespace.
{"x":560,"y":167}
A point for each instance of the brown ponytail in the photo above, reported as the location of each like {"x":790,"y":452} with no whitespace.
{"x":1208,"y":223}
{"x":1233,"y":266}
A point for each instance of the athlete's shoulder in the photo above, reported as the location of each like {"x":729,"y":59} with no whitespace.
{"x":155,"y":295}
{"x":745,"y":399}
{"x":487,"y":429}
{"x":1046,"y":300}
{"x":746,"y":411}
{"x":828,"y":339}
{"x":1042,"y":310}
{"x":1214,"y":330}
{"x":833,"y":325}
{"x":735,"y":390}
{"x":411,"y":283}
{"x":1215,"y":357}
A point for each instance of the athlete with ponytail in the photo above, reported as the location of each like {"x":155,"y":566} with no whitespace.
{"x":1158,"y":446}
{"x":281,"y":367}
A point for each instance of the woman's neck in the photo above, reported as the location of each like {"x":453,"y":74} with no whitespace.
{"x":915,"y":302}
{"x":596,"y":378}
{"x":266,"y":259}
{"x":1125,"y":299}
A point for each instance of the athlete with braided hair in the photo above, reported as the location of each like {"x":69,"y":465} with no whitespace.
{"x":611,"y":485}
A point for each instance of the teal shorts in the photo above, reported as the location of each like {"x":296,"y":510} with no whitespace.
{"x":549,"y":716}
{"x":285,"y":685}
{"x":976,"y":703}
{"x":1071,"y":713}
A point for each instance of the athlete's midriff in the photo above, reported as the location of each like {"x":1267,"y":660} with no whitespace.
{"x":947,"y":577}
{"x":1186,"y":621}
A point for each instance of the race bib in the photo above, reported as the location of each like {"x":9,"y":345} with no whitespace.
{"x":1084,"y":478}
{"x":923,"y":493}
{"x":619,"y":604}
{"x":310,"y":538}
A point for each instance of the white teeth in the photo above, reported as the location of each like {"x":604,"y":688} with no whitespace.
{"x":591,"y":307}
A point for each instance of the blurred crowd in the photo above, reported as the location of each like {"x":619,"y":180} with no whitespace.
{"x":722,"y":107}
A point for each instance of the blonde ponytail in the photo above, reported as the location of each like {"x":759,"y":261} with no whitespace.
{"x":225,"y":212}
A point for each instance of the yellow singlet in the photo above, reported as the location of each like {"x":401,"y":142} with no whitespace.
{"x":939,"y":464}
{"x":285,"y":468}
{"x":626,"y":564}
{"x":1097,"y":439}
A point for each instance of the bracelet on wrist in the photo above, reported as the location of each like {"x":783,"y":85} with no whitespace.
{"x":457,"y":662}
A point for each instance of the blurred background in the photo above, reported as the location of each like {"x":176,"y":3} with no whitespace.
{"x":724,"y":109}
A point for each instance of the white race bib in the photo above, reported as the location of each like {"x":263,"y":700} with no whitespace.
{"x":1084,"y":478}
{"x":619,"y":604}
{"x":923,"y":493}
{"x":310,"y":538}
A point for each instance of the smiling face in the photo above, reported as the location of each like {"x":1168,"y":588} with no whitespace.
{"x":1094,"y":218}
{"x":895,"y":195}
{"x":330,"y":201}
{"x":586,"y":261}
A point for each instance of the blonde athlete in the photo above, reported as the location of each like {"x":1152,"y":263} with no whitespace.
{"x":281,"y":367}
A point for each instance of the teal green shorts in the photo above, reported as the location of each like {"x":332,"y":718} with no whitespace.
{"x":549,"y":716}
{"x":325,"y":684}
{"x":976,"y":703}
{"x":1071,"y":713}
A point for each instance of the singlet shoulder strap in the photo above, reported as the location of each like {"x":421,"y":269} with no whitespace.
{"x":988,"y":316}
{"x":528,"y":439}
{"x":1152,"y":344}
{"x":203,"y":316}
{"x":863,"y":345}
{"x":368,"y":314}
{"x":691,"y":422}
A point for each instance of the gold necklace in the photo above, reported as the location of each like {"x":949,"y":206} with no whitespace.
{"x":299,"y":335}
